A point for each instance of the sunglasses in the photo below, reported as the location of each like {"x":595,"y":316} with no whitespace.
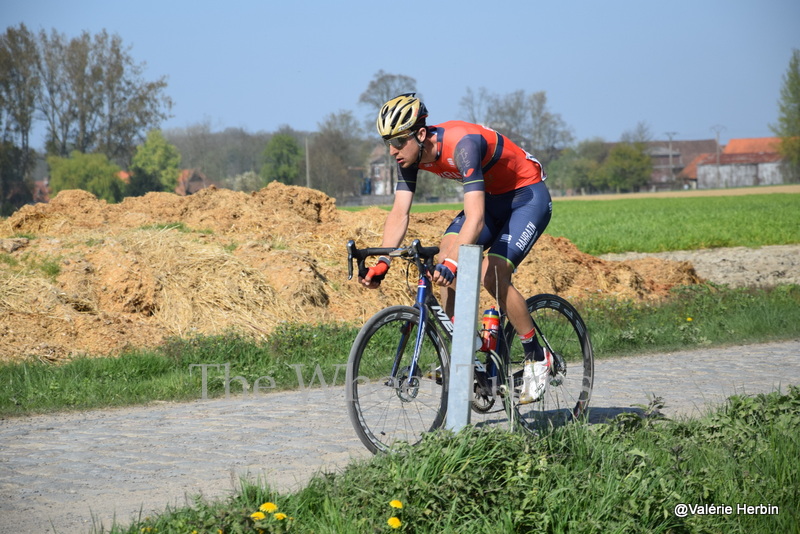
{"x":400,"y":141}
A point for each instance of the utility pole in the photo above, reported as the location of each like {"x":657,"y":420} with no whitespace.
{"x":671,"y":167}
{"x":308,"y":167}
{"x":717,"y":129}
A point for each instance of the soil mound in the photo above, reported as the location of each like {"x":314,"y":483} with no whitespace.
{"x":80,"y":276}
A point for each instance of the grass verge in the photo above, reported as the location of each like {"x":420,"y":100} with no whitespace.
{"x":636,"y":474}
{"x":300,"y":356}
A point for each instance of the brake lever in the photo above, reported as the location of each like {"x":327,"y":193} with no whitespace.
{"x":351,"y":246}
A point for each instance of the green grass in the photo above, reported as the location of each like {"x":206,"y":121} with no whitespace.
{"x":296,"y":356}
{"x":664,"y":224}
{"x":625,"y":476}
{"x":304,"y":355}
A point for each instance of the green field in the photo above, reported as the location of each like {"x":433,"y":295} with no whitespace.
{"x":671,"y":223}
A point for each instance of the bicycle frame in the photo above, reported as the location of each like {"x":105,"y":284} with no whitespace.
{"x":430,"y":310}
{"x":425,"y":300}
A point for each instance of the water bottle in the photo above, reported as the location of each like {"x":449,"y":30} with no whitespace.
{"x":490,"y":330}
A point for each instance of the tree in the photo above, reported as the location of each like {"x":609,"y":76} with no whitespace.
{"x":384,"y":87}
{"x":788,"y":127}
{"x":336,"y":155}
{"x":14,"y":189}
{"x":18,"y":82}
{"x":549,"y":133}
{"x":18,"y":87}
{"x":627,"y":167}
{"x":93,"y":97}
{"x":576,"y":168}
{"x":221,"y":155}
{"x":91,"y":172}
{"x":381,"y":89}
{"x":154,"y":166}
{"x":523,"y":118}
{"x":640,"y":134}
{"x":282,"y":158}
{"x":247,"y":181}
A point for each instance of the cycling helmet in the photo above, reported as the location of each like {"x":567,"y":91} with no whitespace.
{"x":401,"y":114}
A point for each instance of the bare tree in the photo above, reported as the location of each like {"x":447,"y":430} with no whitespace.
{"x":384,"y":87}
{"x":93,"y":97}
{"x":381,"y":89}
{"x":474,"y":106}
{"x":523,"y":118}
{"x":18,"y":83}
{"x":549,"y":133}
{"x":640,"y":134}
{"x":336,"y":155}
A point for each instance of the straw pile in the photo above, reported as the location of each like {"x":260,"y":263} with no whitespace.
{"x":160,"y":265}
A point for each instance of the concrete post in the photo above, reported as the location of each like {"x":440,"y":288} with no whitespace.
{"x":463,"y":348}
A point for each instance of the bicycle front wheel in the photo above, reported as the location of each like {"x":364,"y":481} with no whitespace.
{"x":561,"y":329}
{"x":388,"y":401}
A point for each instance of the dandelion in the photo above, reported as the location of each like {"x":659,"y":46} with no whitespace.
{"x":396,"y":504}
{"x":258,"y":516}
{"x":280,"y":516}
{"x":689,"y":319}
{"x":268,"y":507}
{"x":394,"y":522}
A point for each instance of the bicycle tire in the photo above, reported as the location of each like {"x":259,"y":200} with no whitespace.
{"x":562,"y":329}
{"x":385,"y":412}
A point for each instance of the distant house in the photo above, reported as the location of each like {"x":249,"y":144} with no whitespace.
{"x":190,"y":181}
{"x":670,"y":158}
{"x":743,"y":162}
{"x":381,"y":171}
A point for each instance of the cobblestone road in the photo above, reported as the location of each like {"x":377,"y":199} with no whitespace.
{"x":75,"y":468}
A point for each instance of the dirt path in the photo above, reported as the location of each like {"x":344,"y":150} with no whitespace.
{"x":70,"y":468}
{"x":737,"y":266}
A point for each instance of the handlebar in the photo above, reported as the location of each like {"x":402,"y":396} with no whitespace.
{"x":416,"y":253}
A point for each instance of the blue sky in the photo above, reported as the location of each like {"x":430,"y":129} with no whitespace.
{"x":685,"y":66}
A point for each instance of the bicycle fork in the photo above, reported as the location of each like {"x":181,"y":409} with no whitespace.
{"x":406,"y":380}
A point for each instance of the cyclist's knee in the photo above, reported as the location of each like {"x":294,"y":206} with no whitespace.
{"x":497,"y":274}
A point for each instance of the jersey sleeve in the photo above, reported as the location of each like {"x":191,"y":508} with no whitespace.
{"x":407,"y":179}
{"x":468,"y":154}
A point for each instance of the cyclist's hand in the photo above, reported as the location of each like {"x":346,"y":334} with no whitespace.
{"x":445,"y":272}
{"x":375,"y":274}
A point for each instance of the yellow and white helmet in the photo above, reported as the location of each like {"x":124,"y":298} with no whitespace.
{"x":400,"y":114}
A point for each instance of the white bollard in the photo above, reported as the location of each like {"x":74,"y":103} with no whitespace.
{"x":462,"y":352}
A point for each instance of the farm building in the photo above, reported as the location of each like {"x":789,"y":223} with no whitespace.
{"x":743,"y":162}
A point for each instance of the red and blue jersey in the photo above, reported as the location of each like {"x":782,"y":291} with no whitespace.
{"x":481,"y":158}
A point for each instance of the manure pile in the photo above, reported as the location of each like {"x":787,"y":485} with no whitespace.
{"x":80,"y":276}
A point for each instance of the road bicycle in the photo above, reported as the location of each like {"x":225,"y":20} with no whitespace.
{"x":398,"y":368}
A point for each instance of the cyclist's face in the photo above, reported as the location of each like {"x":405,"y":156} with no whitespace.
{"x":404,"y":149}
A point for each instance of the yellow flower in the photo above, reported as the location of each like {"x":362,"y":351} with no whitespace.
{"x":280,"y":516}
{"x":268,"y":507}
{"x":258,"y":516}
{"x":394,"y":522}
{"x":689,"y":319}
{"x":396,"y":504}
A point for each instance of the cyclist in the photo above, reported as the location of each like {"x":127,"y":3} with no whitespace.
{"x":506,"y":208}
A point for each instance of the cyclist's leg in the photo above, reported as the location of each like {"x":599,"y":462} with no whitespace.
{"x":529,"y":211}
{"x":448,"y":239}
{"x":496,"y":278}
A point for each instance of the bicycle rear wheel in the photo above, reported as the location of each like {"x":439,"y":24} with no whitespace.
{"x":387,"y":401}
{"x":561,"y":329}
